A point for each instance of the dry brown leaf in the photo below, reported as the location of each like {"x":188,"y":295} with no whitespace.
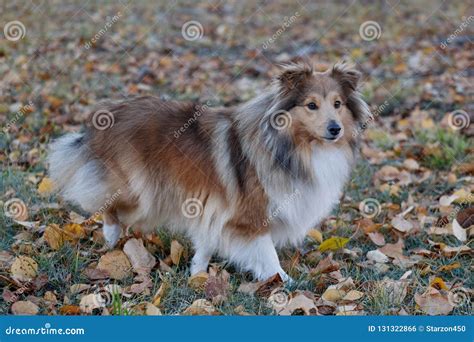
{"x":164,"y":287}
{"x":368,"y":225}
{"x":201,"y":307}
{"x":24,"y":268}
{"x":297,"y":305}
{"x":217,"y":286}
{"x":401,"y":224}
{"x":433,"y":302}
{"x":141,"y":259}
{"x":25,"y":307}
{"x":54,"y":236}
{"x":377,"y":238}
{"x":332,"y":294}
{"x":465,"y":217}
{"x":316,"y":235}
{"x":116,"y":264}
{"x":411,"y":164}
{"x":387,"y":173}
{"x":176,"y":252}
{"x":152,"y":310}
{"x":78,"y":288}
{"x":198,"y":280}
{"x":70,"y":310}
{"x":393,"y":250}
{"x":353,"y":295}
{"x":91,"y":302}
{"x":377,"y":256}
{"x":326,"y":265}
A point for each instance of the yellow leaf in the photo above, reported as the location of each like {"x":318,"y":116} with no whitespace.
{"x":54,"y":236}
{"x":73,"y":232}
{"x":438,"y":284}
{"x":464,"y":197}
{"x":450,"y":267}
{"x":333,"y":244}
{"x":46,"y":186}
{"x":316,"y":235}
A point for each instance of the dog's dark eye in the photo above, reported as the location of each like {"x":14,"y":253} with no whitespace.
{"x":337,"y":104}
{"x":312,"y":106}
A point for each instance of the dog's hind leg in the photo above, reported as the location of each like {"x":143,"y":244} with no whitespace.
{"x":111,"y":229}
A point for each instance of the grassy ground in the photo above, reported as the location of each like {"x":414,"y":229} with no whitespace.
{"x":411,"y":82}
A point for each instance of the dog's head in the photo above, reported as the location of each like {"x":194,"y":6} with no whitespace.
{"x":322,"y":107}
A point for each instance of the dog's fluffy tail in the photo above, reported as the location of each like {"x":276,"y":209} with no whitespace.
{"x":76,"y":175}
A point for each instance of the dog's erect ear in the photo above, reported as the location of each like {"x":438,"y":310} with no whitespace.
{"x":347,"y":76}
{"x":294,"y":75}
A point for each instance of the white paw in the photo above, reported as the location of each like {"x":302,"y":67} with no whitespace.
{"x":111,"y":234}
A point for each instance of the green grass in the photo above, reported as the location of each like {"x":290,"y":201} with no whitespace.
{"x":451,"y":148}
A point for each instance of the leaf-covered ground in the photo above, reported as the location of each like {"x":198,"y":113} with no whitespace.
{"x":400,"y":242}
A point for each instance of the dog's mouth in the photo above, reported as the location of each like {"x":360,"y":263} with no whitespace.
{"x":332,"y":139}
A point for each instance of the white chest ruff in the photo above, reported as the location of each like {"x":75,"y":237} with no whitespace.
{"x":292,"y":215}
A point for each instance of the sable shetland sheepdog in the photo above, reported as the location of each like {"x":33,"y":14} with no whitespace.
{"x":240,"y":182}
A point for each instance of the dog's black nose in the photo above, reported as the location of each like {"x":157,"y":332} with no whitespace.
{"x":333,"y":128}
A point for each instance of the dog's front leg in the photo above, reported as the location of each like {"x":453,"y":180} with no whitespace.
{"x":200,"y":260}
{"x":258,"y":256}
